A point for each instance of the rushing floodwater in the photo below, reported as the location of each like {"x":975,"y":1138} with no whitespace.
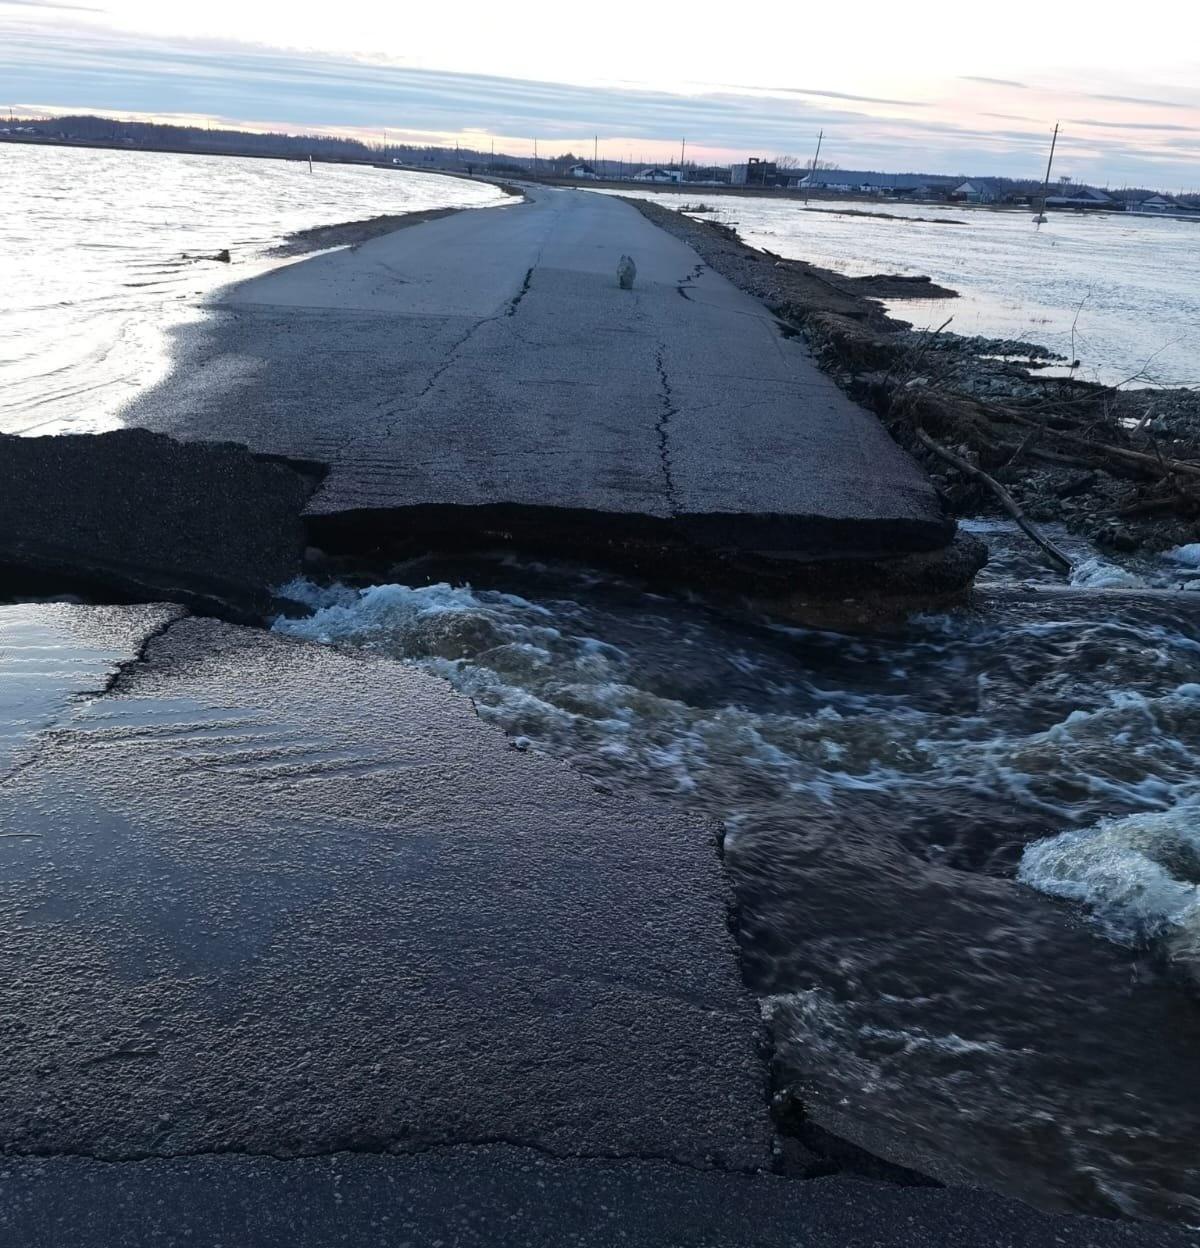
{"x":903,"y":814}
{"x":94,"y":267}
{"x":1129,"y":285}
{"x":966,"y":852}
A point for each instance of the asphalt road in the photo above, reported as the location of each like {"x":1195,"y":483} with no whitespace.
{"x":486,"y":369}
{"x":498,"y":1196}
{"x":150,"y":517}
{"x":259,"y":896}
{"x":299,"y":952}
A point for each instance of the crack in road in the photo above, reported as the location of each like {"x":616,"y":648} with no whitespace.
{"x":681,"y":287}
{"x":393,"y":418}
{"x":667,"y":402}
{"x":374,"y":1146}
{"x":516,"y":299}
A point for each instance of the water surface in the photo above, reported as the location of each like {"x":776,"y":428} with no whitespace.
{"x":1119,"y":293}
{"x":98,"y":258}
{"x":905,"y":814}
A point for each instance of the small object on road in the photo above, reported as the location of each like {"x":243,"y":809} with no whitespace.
{"x":626,"y":272}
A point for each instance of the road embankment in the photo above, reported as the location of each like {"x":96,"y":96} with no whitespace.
{"x":1120,"y":466}
{"x":483,"y":378}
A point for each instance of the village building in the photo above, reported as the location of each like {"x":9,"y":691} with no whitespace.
{"x":1081,"y":197}
{"x":714,"y":175}
{"x":864,"y":182}
{"x":656,"y":174}
{"x":755,"y":172}
{"x":1156,"y":203}
{"x":979,"y":191}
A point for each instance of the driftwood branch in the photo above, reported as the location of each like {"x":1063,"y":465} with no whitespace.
{"x":1006,"y":500}
{"x":1116,"y":452}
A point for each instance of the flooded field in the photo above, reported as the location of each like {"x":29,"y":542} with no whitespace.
{"x":102,"y":251}
{"x":1121,"y":294}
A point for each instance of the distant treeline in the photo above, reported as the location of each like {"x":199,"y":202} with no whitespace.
{"x":149,"y":135}
{"x":156,"y":136}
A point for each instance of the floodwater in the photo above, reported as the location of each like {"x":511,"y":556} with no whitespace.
{"x":98,"y":259}
{"x":966,"y":852}
{"x":1118,"y":293}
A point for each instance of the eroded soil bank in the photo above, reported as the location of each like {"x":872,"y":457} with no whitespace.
{"x":352,"y":233}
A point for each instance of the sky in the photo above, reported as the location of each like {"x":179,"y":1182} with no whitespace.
{"x":928,"y":85}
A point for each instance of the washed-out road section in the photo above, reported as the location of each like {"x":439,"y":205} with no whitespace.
{"x":486,"y":370}
{"x":298,"y":951}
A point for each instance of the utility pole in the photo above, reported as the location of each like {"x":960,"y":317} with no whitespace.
{"x":595,"y":153}
{"x":682,"y":158}
{"x":535,"y":164}
{"x":813,"y":170}
{"x":1041,"y":216}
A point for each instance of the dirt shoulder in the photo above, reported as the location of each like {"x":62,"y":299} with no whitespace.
{"x":351,"y":233}
{"x":1119,"y":466}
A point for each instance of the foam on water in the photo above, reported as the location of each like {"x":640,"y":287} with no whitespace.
{"x":1139,"y":875}
{"x":1188,"y":556}
{"x":1097,"y":573}
{"x":1096,"y":745}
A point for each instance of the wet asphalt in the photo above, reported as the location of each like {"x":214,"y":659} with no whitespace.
{"x":299,"y":951}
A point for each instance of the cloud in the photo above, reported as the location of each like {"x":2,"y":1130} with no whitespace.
{"x":831,"y":95}
{"x":1133,"y":125}
{"x":1137,"y":99}
{"x":85,"y":69}
{"x":995,"y":82}
{"x":49,"y":4}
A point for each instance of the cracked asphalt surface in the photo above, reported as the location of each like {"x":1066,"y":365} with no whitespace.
{"x":263,"y":897}
{"x":488,"y":360}
{"x":297,"y":951}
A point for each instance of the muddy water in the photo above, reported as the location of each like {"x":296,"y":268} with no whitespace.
{"x":966,"y":853}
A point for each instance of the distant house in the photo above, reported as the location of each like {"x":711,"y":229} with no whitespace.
{"x":979,"y":191}
{"x":868,"y":182}
{"x":715,"y":174}
{"x":657,"y":175}
{"x":755,"y":172}
{"x":1080,"y":197}
{"x":1163,"y":206}
{"x":581,"y":170}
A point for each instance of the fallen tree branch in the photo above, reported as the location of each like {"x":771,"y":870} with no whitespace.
{"x":1104,"y":448}
{"x":1053,"y":553}
{"x":1169,"y":503}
